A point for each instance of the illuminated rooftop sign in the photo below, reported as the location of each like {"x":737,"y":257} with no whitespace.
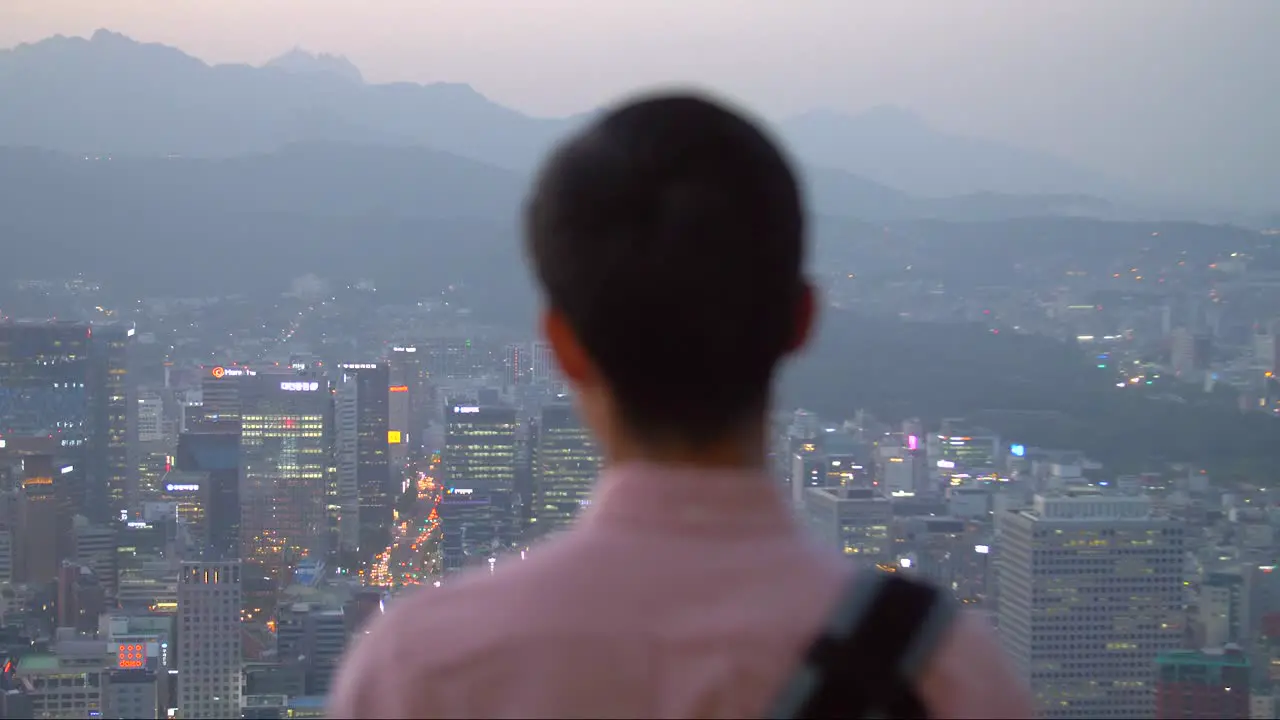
{"x":220,"y":372}
{"x":131,"y":656}
{"x":465,"y":409}
{"x":181,"y":487}
{"x":299,"y":386}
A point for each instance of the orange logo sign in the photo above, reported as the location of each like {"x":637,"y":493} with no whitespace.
{"x":219,"y":372}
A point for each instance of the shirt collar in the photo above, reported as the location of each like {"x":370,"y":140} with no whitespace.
{"x":687,"y":499}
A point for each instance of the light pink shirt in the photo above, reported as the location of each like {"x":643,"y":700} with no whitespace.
{"x":681,"y":593}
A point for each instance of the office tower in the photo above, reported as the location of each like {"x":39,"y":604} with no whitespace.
{"x":448,"y":358}
{"x":94,"y":547}
{"x":110,"y":472}
{"x":854,"y":520}
{"x":220,"y":390}
{"x":408,"y":401}
{"x":807,"y":467}
{"x":288,"y":484}
{"x":1203,"y":685}
{"x":542,"y":363}
{"x":516,"y":363}
{"x":215,"y":457}
{"x":45,"y":379}
{"x":64,"y":683}
{"x":312,"y":637}
{"x":209,"y":643}
{"x":1221,"y":609}
{"x":1190,"y":352}
{"x":477,"y":516}
{"x":967,"y":447}
{"x":346,"y":445}
{"x":43,"y":537}
{"x":135,"y":693}
{"x":843,"y":463}
{"x":1090,"y":594}
{"x":81,"y":598}
{"x":154,"y":460}
{"x":150,"y":416}
{"x":6,"y":554}
{"x":567,"y":463}
{"x":369,"y":425}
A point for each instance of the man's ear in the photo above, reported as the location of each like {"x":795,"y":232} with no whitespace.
{"x":569,"y":354}
{"x":806,"y":317}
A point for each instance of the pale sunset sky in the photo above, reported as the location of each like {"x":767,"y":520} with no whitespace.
{"x":1132,"y":87}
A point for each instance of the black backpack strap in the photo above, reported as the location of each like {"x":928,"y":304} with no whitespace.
{"x":865,"y":664}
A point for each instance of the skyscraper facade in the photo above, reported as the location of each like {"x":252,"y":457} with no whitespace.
{"x":45,"y":392}
{"x":288,"y":491}
{"x":477,"y":511}
{"x":369,"y":426}
{"x":111,"y":474}
{"x":567,"y":462}
{"x":209,"y":643}
{"x":215,"y":456}
{"x":1090,"y":594}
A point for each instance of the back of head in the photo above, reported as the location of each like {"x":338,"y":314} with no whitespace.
{"x":669,"y":236}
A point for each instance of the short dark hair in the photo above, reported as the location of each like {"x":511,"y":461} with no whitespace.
{"x":669,"y":235}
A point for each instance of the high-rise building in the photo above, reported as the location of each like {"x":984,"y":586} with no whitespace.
{"x":288,"y":485}
{"x":567,"y":463}
{"x":220,"y":393}
{"x":854,"y":520}
{"x":45,"y":392}
{"x":1190,"y":352}
{"x":312,"y":637}
{"x":95,"y":547}
{"x":150,"y":416}
{"x":367,"y":424}
{"x":1090,"y":593}
{"x":111,"y":475}
{"x":542,"y":363}
{"x":215,"y":457}
{"x":43,"y":537}
{"x":407,"y":402}
{"x":209,"y":643}
{"x":346,"y":458}
{"x":1203,"y":685}
{"x":516,"y":362}
{"x":477,"y":516}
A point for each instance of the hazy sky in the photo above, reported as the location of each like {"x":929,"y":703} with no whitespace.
{"x":1140,"y":88}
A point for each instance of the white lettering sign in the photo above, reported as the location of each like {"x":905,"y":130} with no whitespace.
{"x":461,"y":491}
{"x":181,"y":487}
{"x":465,"y":409}
{"x":359,"y":366}
{"x":404,"y":349}
{"x":300,"y":386}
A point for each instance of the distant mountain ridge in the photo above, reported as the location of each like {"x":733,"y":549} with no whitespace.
{"x":112,"y":94}
{"x":298,"y":60}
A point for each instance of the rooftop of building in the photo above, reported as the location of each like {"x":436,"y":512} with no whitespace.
{"x":38,"y":662}
{"x":1229,"y":656}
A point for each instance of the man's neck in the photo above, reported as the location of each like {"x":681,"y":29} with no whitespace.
{"x":741,"y":451}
